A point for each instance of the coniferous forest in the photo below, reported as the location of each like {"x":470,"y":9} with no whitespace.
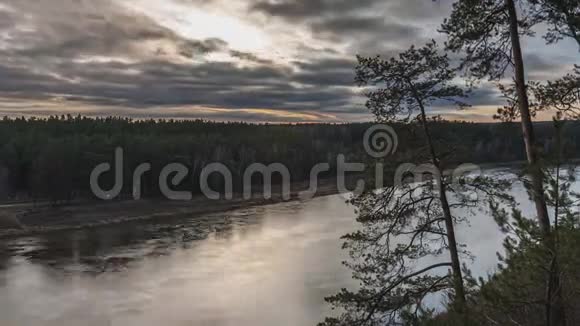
{"x":52,"y":158}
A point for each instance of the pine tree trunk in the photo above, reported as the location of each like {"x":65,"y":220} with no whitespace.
{"x":454,"y":253}
{"x":458,"y":286}
{"x":554,"y":307}
{"x":526,"y":120}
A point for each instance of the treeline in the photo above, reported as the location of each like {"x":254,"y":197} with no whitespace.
{"x":52,"y":158}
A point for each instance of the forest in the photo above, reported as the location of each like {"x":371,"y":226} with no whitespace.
{"x":52,"y":158}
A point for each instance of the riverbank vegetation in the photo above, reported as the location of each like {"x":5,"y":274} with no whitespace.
{"x":51,"y":159}
{"x":405,"y":256}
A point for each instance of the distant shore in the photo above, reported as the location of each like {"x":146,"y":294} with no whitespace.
{"x":19,"y":219}
{"x":23,"y":218}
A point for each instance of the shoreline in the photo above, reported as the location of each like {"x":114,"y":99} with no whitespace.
{"x":25,"y":219}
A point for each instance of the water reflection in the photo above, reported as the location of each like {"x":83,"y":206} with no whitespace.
{"x":262,"y":266}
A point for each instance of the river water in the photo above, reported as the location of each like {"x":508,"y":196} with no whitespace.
{"x":263,"y":266}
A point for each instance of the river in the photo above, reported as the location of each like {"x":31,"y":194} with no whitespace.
{"x":262,"y":266}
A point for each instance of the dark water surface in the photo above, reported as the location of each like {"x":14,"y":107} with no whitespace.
{"x":269,"y":265}
{"x":264,"y":266}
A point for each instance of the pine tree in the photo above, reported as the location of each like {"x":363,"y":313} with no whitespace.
{"x":515,"y":294}
{"x":489,"y":33}
{"x":561,"y":16}
{"x":403,"y":226}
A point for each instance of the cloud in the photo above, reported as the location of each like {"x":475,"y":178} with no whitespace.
{"x":247,"y":56}
{"x":299,"y":10}
{"x":110,"y":57}
{"x":547,"y":66}
{"x":363,"y":25}
{"x":368,"y":26}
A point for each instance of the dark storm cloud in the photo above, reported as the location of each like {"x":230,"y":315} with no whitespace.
{"x":45,"y":66}
{"x":420,"y":11}
{"x":389,"y":21}
{"x":298,"y":10}
{"x":539,"y":63}
{"x":548,"y":66}
{"x":486,"y":94}
{"x":249,"y":57}
{"x":331,"y":72}
{"x":350,"y":24}
{"x":363,"y":25}
{"x":368,"y":26}
{"x":192,"y":48}
{"x":100,"y":29}
{"x":164,"y":84}
{"x":7,"y":19}
{"x":55,"y":52}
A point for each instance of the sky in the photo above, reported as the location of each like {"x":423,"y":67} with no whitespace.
{"x":276,"y":61}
